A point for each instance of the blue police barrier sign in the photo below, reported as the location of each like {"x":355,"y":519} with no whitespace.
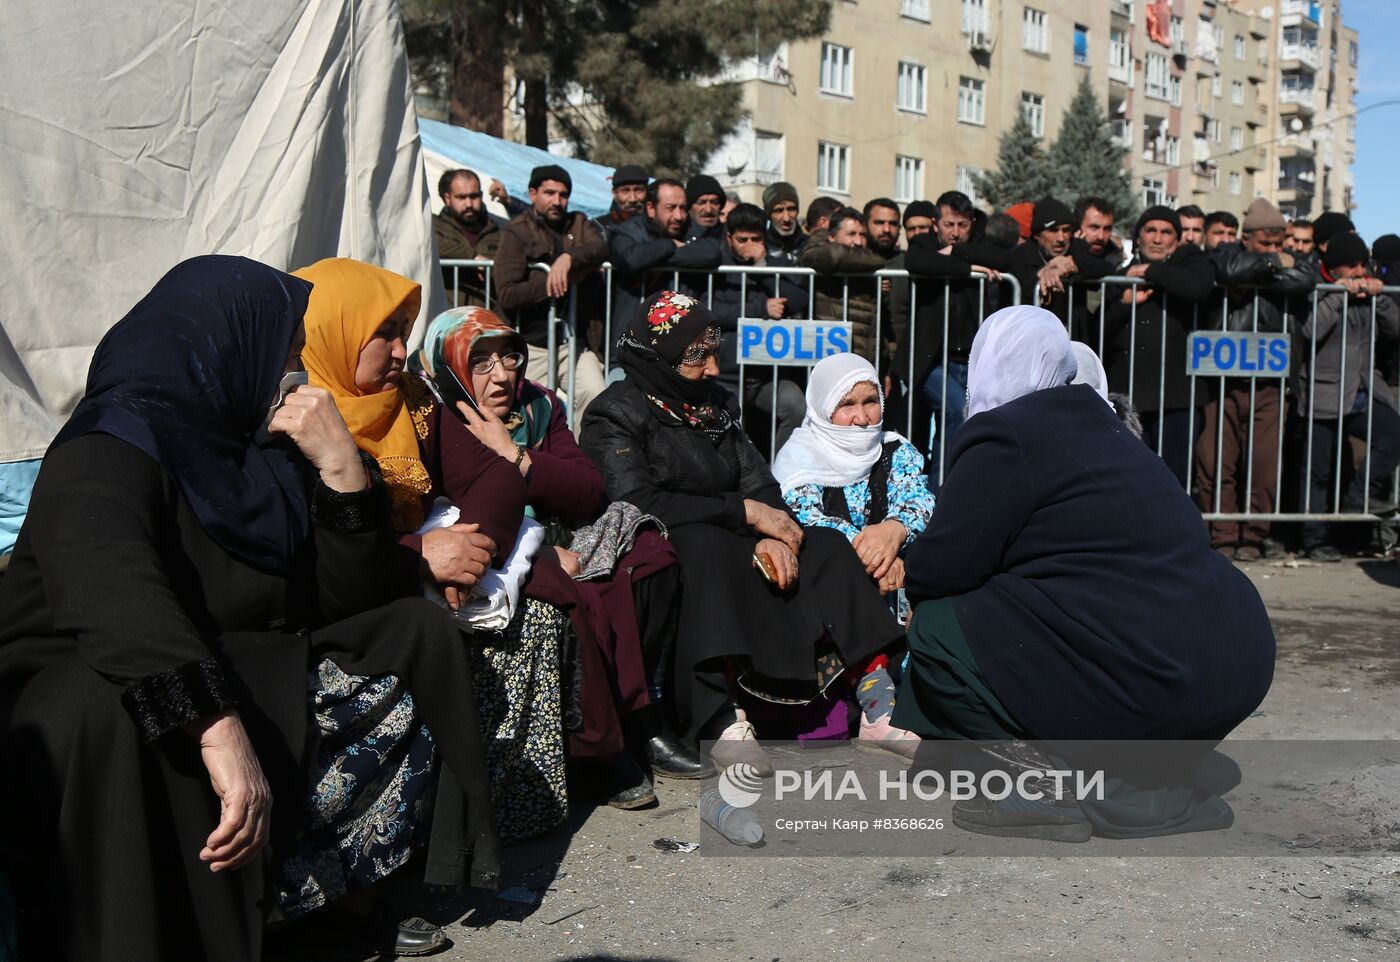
{"x":1237,"y":354}
{"x":799,"y":343}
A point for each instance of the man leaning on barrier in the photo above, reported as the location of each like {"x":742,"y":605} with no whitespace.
{"x":1056,"y":259}
{"x":1339,"y":391}
{"x":574,"y":248}
{"x":840,"y":258}
{"x":464,"y":230}
{"x":1145,"y":330}
{"x":1262,"y":285}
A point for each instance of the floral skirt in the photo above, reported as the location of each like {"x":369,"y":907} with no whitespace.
{"x":371,"y":795}
{"x":517,"y":679}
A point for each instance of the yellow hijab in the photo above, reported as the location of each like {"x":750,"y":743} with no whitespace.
{"x":349,"y":301}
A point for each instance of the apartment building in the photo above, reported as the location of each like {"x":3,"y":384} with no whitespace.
{"x":1212,"y":102}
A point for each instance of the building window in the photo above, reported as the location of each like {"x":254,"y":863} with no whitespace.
{"x":1236,"y":138}
{"x":1236,"y":182}
{"x":1033,"y":106}
{"x":1214,"y":177}
{"x":768,"y":156}
{"x":908,"y":178}
{"x":974,"y":17}
{"x":1155,"y":76}
{"x":1174,"y":89}
{"x":1239,"y":47}
{"x":1237,"y":93}
{"x":972,"y":106}
{"x":1081,"y":44}
{"x":1154,"y":191}
{"x":1352,"y":53}
{"x":1218,"y":34}
{"x":1217,"y":85}
{"x":911,"y":89}
{"x":1178,"y":32}
{"x":966,"y":182}
{"x":837,"y":69}
{"x":833,"y":164}
{"x":1036,"y":31}
{"x":914,"y":10}
{"x":1120,"y":57}
{"x":1214,"y":128}
{"x":1173,"y":150}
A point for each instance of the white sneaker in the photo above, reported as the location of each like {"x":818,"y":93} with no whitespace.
{"x":739,"y":743}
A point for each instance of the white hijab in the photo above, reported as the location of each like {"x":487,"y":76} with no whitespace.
{"x":820,"y":452}
{"x":1090,"y":370}
{"x":1019,"y":350}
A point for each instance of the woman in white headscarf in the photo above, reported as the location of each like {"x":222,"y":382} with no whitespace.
{"x":1091,"y":372}
{"x":1064,"y":588}
{"x":840,"y":470}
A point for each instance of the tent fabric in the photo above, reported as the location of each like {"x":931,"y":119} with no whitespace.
{"x":282,"y":130}
{"x":446,"y":147}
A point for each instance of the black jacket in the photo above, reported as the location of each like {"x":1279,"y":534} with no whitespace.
{"x":645,"y":261}
{"x":1180,"y":286}
{"x":1244,"y":273}
{"x":669,"y":469}
{"x":784,"y":251}
{"x":939,"y":282}
{"x":1083,"y":579}
{"x":1028,"y":259}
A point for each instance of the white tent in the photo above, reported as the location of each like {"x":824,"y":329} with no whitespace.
{"x":137,"y":135}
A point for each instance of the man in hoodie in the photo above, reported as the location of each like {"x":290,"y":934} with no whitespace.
{"x":784,"y":235}
{"x":1337,"y":388}
{"x":629,"y":191}
{"x":1145,"y":330}
{"x":465,"y":231}
{"x":1263,"y":286}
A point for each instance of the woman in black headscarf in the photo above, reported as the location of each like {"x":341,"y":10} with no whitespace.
{"x":778,"y":610}
{"x":199,"y":564}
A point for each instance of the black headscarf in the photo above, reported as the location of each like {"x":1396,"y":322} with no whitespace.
{"x":666,"y":324}
{"x":187,"y":377}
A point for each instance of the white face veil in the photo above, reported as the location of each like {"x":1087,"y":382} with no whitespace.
{"x":1017,"y":351}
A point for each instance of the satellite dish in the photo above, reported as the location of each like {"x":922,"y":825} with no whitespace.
{"x":735,"y":162}
{"x":1295,"y":125}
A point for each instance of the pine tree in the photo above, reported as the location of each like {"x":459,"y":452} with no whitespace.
{"x":1023,"y":171}
{"x":1085,"y":161}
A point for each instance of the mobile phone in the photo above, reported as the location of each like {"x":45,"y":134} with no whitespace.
{"x":765,"y":567}
{"x":458,"y":389}
{"x":289,"y":383}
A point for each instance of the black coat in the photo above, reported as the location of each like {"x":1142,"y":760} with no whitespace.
{"x":120,"y":621}
{"x":645,"y":261}
{"x":1151,"y":338}
{"x":939,"y":283}
{"x":1084,"y":581}
{"x":1026,"y":262}
{"x":698,"y":488}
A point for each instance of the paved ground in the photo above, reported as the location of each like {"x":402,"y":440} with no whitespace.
{"x":1338,"y":677}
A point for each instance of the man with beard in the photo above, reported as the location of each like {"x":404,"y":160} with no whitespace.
{"x":574,"y":248}
{"x":1145,"y":332}
{"x":464,"y":230}
{"x":1193,"y":225}
{"x":1054,"y":260}
{"x":629,"y":191}
{"x":1094,"y":215}
{"x":1300,"y":242}
{"x":1222,"y":227}
{"x":705,"y":199}
{"x":647,"y":250}
{"x":882,"y":227}
{"x":918,"y":219}
{"x":784,"y":236}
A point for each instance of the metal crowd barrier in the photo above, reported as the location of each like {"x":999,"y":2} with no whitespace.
{"x":1212,"y":316}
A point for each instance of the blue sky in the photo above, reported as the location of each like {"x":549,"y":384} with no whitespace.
{"x":1377,"y":131}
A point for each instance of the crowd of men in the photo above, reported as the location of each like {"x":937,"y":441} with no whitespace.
{"x":1186,"y":270}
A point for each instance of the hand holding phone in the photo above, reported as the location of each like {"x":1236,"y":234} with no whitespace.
{"x":289,"y":383}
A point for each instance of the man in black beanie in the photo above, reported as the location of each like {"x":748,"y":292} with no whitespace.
{"x":705,"y":198}
{"x":1054,"y":259}
{"x":1344,"y":369}
{"x":629,"y":191}
{"x":1328,"y":225}
{"x":918,"y":218}
{"x":1145,"y":330}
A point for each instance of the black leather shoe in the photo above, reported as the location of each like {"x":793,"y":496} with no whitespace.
{"x":417,"y":937}
{"x":617,"y":781}
{"x":1018,"y":817}
{"x":670,"y":756}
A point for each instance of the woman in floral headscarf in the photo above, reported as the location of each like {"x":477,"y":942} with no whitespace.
{"x":668,"y":440}
{"x":476,"y":364}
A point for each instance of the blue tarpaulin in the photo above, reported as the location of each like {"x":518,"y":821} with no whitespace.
{"x":511,"y":164}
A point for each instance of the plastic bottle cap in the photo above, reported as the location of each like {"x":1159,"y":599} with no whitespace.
{"x":752,"y":832}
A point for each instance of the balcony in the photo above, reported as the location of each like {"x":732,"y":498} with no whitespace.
{"x":1122,"y":134}
{"x":915,"y":10}
{"x":1297,"y":145}
{"x":1298,"y":12}
{"x":1121,"y":8}
{"x":1120,"y":64}
{"x":1295,"y":55}
{"x":1296,"y":100}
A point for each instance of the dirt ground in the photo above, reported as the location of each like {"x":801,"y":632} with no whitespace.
{"x":607,"y":894}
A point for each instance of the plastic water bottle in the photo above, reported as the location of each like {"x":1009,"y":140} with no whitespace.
{"x":736,"y":824}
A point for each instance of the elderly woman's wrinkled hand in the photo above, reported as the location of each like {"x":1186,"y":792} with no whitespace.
{"x":245,"y":800}
{"x":784,"y":562}
{"x":772,"y":523}
{"x":878,"y":546}
{"x":489,"y":430}
{"x":893,"y":579}
{"x":457,"y":557}
{"x":309,"y":417}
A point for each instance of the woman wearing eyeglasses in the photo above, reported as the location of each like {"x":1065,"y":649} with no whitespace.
{"x":767,"y":607}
